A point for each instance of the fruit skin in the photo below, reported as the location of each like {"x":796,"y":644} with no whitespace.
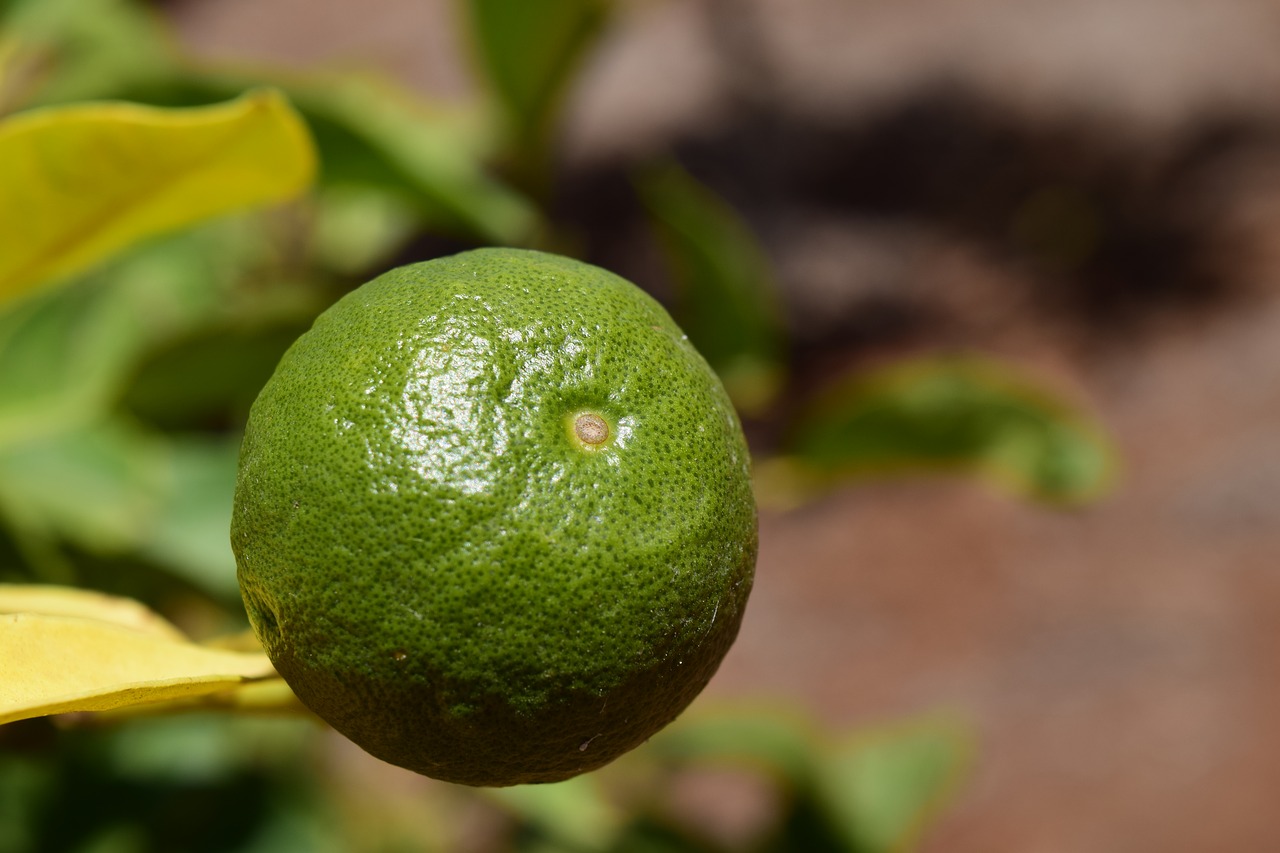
{"x":443,"y":570}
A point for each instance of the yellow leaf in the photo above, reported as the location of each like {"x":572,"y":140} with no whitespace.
{"x":241,"y":641}
{"x":268,"y":697}
{"x":55,"y":664}
{"x":51,"y":600}
{"x":78,"y":183}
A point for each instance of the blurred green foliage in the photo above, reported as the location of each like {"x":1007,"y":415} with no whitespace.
{"x":529,"y":53}
{"x":967,"y":414}
{"x":728,"y":303}
{"x":183,"y":783}
{"x":200,"y":782}
{"x":122,"y":393}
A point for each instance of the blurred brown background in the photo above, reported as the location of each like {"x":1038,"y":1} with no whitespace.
{"x":1091,"y":189}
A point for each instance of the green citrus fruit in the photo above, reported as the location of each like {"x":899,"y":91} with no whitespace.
{"x":493,"y":519}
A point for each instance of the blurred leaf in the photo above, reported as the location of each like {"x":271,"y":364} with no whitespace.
{"x":807,"y":827}
{"x":195,"y":783}
{"x":645,"y":833}
{"x":883,"y":787}
{"x":372,"y":134}
{"x":260,"y":698}
{"x":58,"y":664}
{"x":954,"y":414}
{"x":375,"y":136}
{"x":190,"y":749}
{"x":67,"y":357}
{"x":189,"y":533}
{"x":529,"y":53}
{"x":111,"y":488}
{"x":207,"y":380}
{"x":79,"y":183}
{"x":75,"y":50}
{"x":779,"y":742}
{"x":574,"y":813}
{"x":62,"y":354}
{"x":49,"y":600}
{"x":67,"y":353}
{"x":727,"y":303}
{"x":25,"y":783}
{"x":358,"y":227}
{"x":98,"y":485}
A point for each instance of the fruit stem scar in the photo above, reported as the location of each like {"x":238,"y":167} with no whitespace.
{"x":591,"y":429}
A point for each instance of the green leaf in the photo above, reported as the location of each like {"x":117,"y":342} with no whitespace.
{"x":63,"y":352}
{"x":208,"y":378}
{"x":779,"y":742}
{"x":392,"y":166}
{"x":68,"y":356}
{"x":27,"y":782}
{"x":99,"y":485}
{"x":188,"y":534}
{"x":79,"y":183}
{"x":76,"y":50}
{"x":574,"y":813}
{"x":953,"y":415}
{"x":111,"y":488}
{"x":67,"y":353}
{"x":358,"y":228}
{"x":372,"y":134}
{"x":188,"y":750}
{"x":727,"y":303}
{"x":882,"y":787}
{"x":529,"y":52}
{"x":375,"y":136}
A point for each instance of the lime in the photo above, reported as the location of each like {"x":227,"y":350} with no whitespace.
{"x":493,"y":520}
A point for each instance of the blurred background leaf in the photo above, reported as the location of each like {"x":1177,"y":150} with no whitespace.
{"x":189,"y":532}
{"x":883,"y":786}
{"x":529,"y":53}
{"x":65,"y":353}
{"x":375,"y":135}
{"x":575,"y":814}
{"x":104,"y":446}
{"x":79,"y":183}
{"x":966,"y":415}
{"x":78,"y":50}
{"x":421,"y":162}
{"x":207,"y":379}
{"x":69,"y":354}
{"x":200,"y":783}
{"x":727,"y":303}
{"x":780,"y":742}
{"x":372,"y":135}
{"x":99,"y":485}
